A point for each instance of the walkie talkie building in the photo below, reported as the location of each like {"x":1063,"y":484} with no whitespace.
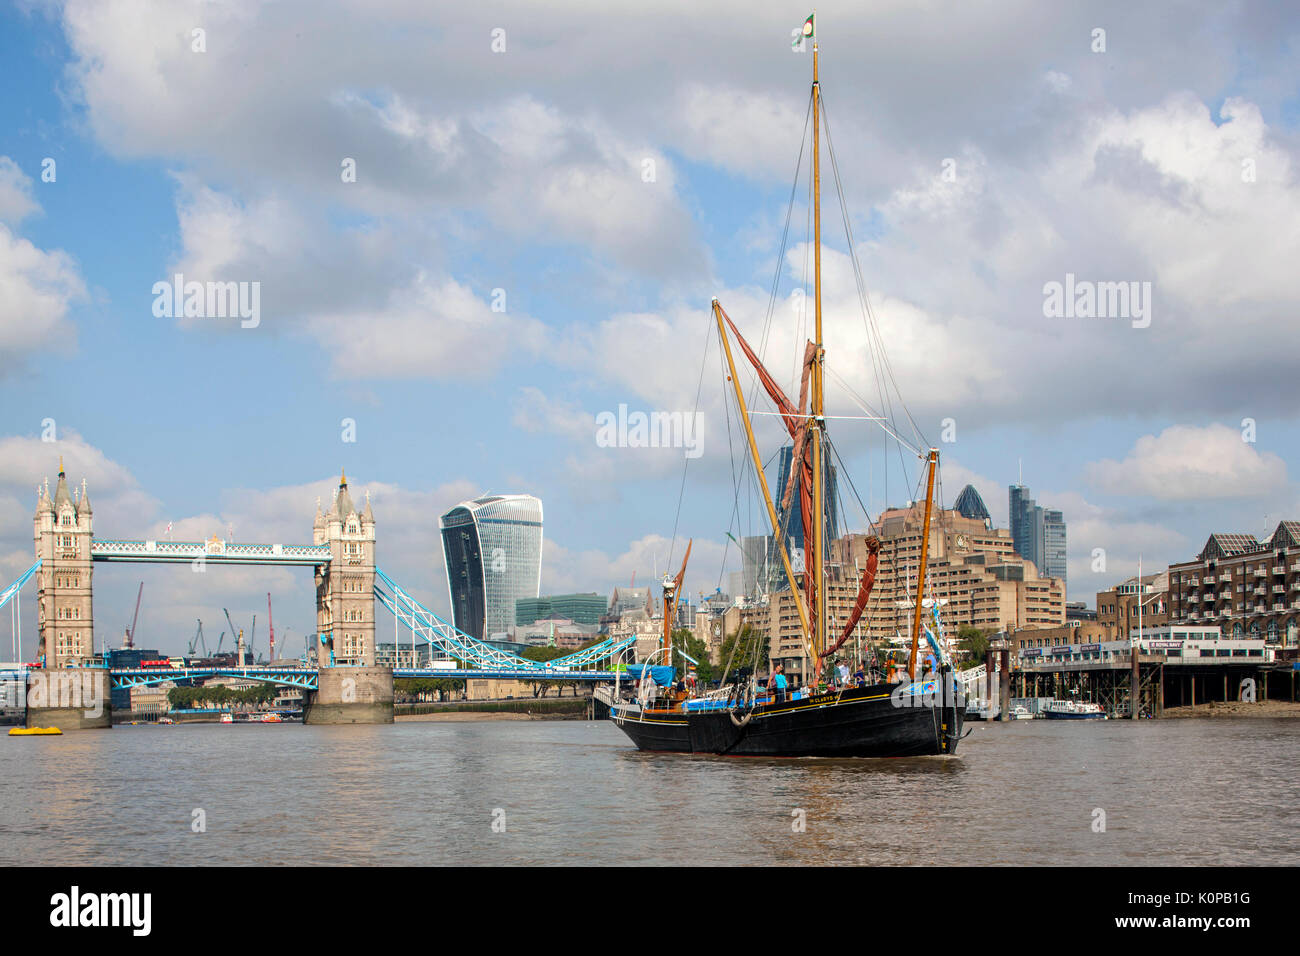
{"x":493,"y":551}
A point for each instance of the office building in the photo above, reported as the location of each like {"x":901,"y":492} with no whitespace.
{"x":493,"y":551}
{"x":1037,"y":533}
{"x":579,"y":608}
{"x":1248,"y":588}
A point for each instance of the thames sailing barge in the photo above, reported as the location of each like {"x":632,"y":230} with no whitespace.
{"x":899,"y":718}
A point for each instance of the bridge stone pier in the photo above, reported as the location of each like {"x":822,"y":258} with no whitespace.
{"x":351,"y":695}
{"x":70,"y":698}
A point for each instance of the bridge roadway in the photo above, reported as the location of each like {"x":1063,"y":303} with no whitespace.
{"x":307,"y":677}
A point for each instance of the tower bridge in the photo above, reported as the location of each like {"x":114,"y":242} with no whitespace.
{"x":346,"y":687}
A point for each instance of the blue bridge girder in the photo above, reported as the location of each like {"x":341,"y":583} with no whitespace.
{"x":502,"y":674}
{"x":301,"y":677}
{"x":218,"y":552}
{"x":476,"y":658}
{"x":307,"y":678}
{"x":480,"y":655}
{"x":14,"y":588}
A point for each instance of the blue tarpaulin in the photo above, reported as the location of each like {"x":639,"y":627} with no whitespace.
{"x":661,"y":674}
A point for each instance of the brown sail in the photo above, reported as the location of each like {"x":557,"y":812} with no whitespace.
{"x":796,"y":424}
{"x":864,"y":592}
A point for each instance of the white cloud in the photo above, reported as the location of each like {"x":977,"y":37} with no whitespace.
{"x":566,"y":571}
{"x":37,"y":287}
{"x":16,"y":201}
{"x":1187,"y":462}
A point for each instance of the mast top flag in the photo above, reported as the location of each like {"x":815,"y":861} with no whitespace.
{"x":805,"y":32}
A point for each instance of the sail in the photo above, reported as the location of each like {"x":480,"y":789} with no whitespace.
{"x":677,"y":582}
{"x":795,"y":423}
{"x":864,"y":592}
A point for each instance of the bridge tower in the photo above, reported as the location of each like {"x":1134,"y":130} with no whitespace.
{"x":351,"y":689}
{"x":345,"y":588}
{"x":63,"y":529}
{"x":65,"y":692}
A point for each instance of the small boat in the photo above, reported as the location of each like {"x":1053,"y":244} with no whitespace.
{"x":1021,"y":712}
{"x":35,"y":732}
{"x":165,"y":720}
{"x":272,"y":719}
{"x":1074,"y":710}
{"x":227,"y":718}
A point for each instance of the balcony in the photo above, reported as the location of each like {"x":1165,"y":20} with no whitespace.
{"x":1195,"y":582}
{"x":1279,"y":569}
{"x":1259,"y":572}
{"x":1295,"y":567}
{"x":1279,"y":589}
{"x":1279,"y":606}
{"x":1225,"y":576}
{"x":1261,"y":590}
{"x":1194,"y":599}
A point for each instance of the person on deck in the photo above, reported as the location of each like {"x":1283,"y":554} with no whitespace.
{"x":779,"y":685}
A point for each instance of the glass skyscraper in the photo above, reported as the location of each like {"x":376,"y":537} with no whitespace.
{"x":1038,"y":534}
{"x":493,"y":551}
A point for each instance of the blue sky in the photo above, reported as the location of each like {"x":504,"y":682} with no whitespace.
{"x":524,"y":171}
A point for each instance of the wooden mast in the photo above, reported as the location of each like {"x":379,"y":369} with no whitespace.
{"x":920,"y":577}
{"x":762,"y":478}
{"x":817,"y":420}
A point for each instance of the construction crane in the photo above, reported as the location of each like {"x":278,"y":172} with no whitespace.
{"x":252,"y":641}
{"x":270,"y":623}
{"x":238,"y":637}
{"x":130,"y":634}
{"x":221,"y":638}
{"x":199,"y":640}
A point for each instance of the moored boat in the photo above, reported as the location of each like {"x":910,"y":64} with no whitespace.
{"x":1073,"y":710}
{"x":35,"y":732}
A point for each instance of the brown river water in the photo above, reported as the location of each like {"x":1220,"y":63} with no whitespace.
{"x":1183,"y":793}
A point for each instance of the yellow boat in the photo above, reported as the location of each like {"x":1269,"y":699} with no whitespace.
{"x":34,"y":731}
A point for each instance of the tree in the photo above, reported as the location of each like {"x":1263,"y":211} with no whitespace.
{"x":543,"y":654}
{"x":685,"y":638}
{"x":972,"y":642}
{"x":743,"y":647}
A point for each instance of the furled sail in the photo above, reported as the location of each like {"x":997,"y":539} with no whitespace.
{"x":864,"y":592}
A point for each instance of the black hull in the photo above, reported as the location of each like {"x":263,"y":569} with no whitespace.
{"x":866,"y":722}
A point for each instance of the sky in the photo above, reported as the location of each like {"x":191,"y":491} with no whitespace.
{"x":476,"y":231}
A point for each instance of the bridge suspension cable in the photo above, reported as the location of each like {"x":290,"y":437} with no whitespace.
{"x":470,"y":651}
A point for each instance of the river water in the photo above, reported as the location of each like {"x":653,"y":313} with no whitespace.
{"x":1175,"y":792}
